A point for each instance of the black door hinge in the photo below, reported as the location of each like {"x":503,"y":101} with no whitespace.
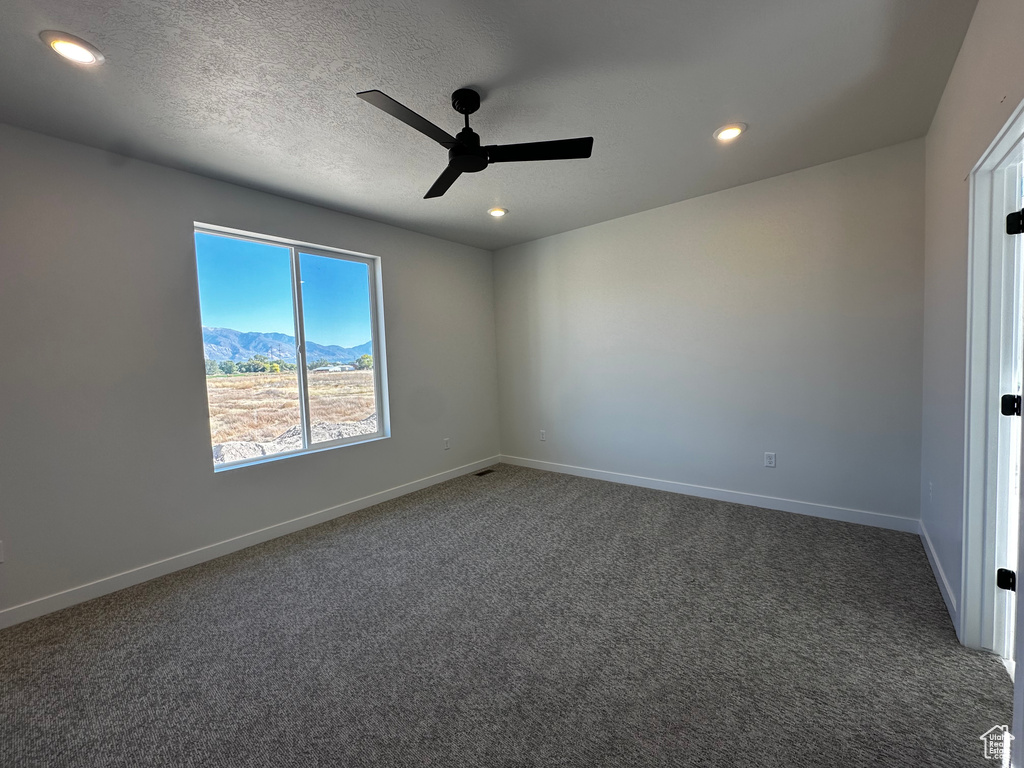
{"x":1006,"y":579}
{"x":1015,"y":223}
{"x":1010,"y":405}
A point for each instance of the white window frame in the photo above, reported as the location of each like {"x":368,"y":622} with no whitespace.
{"x":376,"y":320}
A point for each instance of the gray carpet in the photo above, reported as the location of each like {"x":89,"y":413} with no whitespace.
{"x":517,"y":619}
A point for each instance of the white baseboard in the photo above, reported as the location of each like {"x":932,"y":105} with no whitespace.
{"x":874,"y":519}
{"x":940,"y":576}
{"x":43,"y":605}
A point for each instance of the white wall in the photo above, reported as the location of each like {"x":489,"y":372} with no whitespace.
{"x":681,"y":343}
{"x":105,"y":462}
{"x":983,"y":90}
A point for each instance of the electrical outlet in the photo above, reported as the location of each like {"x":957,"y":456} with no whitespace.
{"x":769,"y":458}
{"x":543,"y":435}
{"x":447,"y":444}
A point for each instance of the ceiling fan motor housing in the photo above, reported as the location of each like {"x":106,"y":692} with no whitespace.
{"x":467,"y":156}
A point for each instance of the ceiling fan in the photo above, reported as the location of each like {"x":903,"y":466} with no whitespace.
{"x":465,"y":155}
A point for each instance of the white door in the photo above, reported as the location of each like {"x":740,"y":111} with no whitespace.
{"x":1015,"y":621}
{"x":994,"y":493}
{"x":1009,"y":437}
{"x":987,"y":615}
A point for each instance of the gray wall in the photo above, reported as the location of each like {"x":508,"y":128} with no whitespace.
{"x":105,"y":462}
{"x":983,"y":90}
{"x":681,"y":343}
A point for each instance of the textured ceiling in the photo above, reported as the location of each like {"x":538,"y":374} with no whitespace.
{"x":262,"y":92}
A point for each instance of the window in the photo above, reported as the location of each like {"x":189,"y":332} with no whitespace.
{"x":293,"y":336}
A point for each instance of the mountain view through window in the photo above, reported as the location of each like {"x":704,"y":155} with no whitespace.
{"x":288,"y":337}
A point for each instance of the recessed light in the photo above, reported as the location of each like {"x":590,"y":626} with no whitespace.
{"x":498,"y":212}
{"x":730,"y":131}
{"x":72,"y":48}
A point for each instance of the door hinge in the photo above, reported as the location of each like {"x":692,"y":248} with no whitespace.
{"x":1015,"y":223}
{"x":1006,"y":579}
{"x":1010,"y":405}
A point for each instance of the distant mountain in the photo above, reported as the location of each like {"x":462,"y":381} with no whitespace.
{"x":227,"y":344}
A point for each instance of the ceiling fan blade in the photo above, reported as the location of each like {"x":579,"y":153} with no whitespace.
{"x":563,"y":149}
{"x":444,"y":181}
{"x":381,"y":100}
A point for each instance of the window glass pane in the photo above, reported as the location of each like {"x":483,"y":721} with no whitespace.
{"x":245,"y":296}
{"x":339,"y":347}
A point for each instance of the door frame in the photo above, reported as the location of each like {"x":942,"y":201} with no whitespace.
{"x":990,"y":289}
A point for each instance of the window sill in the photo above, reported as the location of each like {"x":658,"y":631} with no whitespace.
{"x":319,"y":448}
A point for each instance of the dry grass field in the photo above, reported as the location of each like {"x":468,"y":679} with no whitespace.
{"x":260,"y":406}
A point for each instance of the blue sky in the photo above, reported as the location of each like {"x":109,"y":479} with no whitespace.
{"x":247,"y":286}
